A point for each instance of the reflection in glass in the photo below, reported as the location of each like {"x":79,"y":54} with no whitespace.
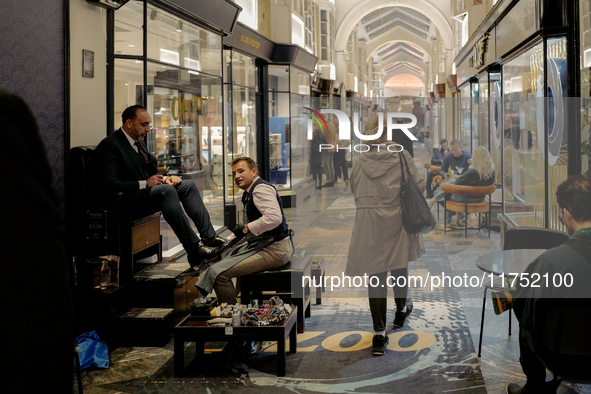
{"x":585,"y":88}
{"x":523,"y":166}
{"x":180,"y":43}
{"x":483,"y":114}
{"x":129,"y":37}
{"x":496,"y":124}
{"x":465,"y":118}
{"x":186,"y":134}
{"x":129,"y":85}
{"x":557,"y":154}
{"x":469,"y":145}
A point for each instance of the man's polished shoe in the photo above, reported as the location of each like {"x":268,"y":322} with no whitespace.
{"x":201,"y":254}
{"x":216,"y":242}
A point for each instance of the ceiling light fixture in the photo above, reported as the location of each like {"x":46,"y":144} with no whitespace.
{"x":179,"y":26}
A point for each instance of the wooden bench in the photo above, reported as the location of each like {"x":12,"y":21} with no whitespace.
{"x":465,"y":207}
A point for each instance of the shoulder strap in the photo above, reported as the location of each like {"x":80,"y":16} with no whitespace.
{"x":580,"y":247}
{"x":404,"y":164}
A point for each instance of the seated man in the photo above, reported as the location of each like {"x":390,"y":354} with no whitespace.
{"x":267,"y":234}
{"x":436,"y":161}
{"x":457,"y":158}
{"x":573,"y":258}
{"x":121,"y":163}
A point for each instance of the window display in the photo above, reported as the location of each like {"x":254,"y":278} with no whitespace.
{"x":523,"y":189}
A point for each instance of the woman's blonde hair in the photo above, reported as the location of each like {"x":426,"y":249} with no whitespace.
{"x":482,"y":162}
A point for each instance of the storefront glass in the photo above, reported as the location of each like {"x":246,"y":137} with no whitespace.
{"x":483,"y":114}
{"x":186,"y":105}
{"x":496,"y":123}
{"x":174,"y":41}
{"x":465,"y":118}
{"x":557,"y":153}
{"x":298,"y":138}
{"x":279,"y":126}
{"x":472,"y":143}
{"x":523,"y":160}
{"x":129,"y":36}
{"x":585,"y":40}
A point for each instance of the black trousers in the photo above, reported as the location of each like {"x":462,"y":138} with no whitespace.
{"x":317,"y":173}
{"x":340,"y":165}
{"x":379,"y":292}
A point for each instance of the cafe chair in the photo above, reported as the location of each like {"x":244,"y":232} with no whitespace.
{"x":468,"y":207}
{"x":563,"y":343}
{"x":521,"y":238}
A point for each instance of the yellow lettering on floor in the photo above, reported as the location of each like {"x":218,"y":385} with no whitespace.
{"x":301,"y":338}
{"x":334,"y":341}
{"x":424,"y":341}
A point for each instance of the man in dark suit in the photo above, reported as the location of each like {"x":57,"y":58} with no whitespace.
{"x":121,"y":163}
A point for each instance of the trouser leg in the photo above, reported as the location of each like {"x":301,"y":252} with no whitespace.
{"x":335,"y":166}
{"x":341,"y":161}
{"x":273,"y":256}
{"x":400,"y":292}
{"x":530,"y":363}
{"x":377,"y":301}
{"x":189,"y":196}
{"x":429,"y":185}
{"x":328,"y":165}
{"x":166,"y":198}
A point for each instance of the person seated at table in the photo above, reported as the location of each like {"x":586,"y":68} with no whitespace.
{"x":456,"y":158}
{"x":480,"y":174}
{"x":267,"y":234}
{"x":531,"y":303}
{"x":436,"y":161}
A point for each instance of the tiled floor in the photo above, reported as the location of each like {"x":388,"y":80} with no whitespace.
{"x":500,"y":352}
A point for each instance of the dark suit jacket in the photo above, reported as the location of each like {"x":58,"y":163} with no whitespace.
{"x":117,"y":167}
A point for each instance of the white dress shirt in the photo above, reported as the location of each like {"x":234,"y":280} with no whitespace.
{"x":265,"y":199}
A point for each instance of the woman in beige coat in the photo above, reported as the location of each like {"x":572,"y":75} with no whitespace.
{"x":379,"y":243}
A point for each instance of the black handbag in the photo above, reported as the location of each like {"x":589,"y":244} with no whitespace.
{"x":416,"y":215}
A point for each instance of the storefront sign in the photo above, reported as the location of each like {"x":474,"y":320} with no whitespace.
{"x":185,"y":109}
{"x":478,"y":51}
{"x":250,"y":41}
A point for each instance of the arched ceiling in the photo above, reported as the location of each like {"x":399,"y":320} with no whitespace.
{"x":397,"y":35}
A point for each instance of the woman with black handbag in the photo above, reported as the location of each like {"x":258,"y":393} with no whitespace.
{"x":380,"y":244}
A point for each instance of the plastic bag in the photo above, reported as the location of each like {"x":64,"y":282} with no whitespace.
{"x":92,"y":351}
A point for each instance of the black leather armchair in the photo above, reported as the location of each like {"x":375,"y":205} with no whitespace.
{"x":98,"y":224}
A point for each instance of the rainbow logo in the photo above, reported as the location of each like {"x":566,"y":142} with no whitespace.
{"x":314,"y":115}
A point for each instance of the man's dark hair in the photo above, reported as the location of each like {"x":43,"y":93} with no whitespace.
{"x":443,"y":141}
{"x":456,"y":142}
{"x":574,"y":194}
{"x":131,"y":112}
{"x":250,"y":162}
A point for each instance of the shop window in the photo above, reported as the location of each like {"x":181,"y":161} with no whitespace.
{"x":523,"y":162}
{"x":585,"y":40}
{"x":128,"y":29}
{"x":177,"y":42}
